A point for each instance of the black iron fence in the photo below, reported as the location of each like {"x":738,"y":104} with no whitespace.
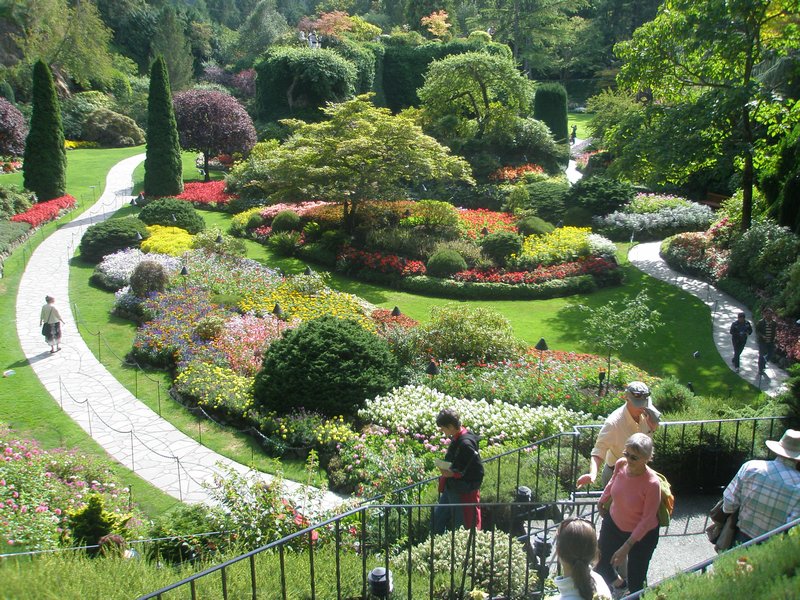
{"x":526,"y":493}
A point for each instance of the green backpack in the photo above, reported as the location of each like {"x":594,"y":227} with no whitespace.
{"x":667,"y":501}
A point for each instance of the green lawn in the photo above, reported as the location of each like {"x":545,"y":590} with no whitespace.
{"x":24,"y":403}
{"x":582,"y":121}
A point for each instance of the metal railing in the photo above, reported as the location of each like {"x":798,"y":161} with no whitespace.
{"x":702,"y":567}
{"x":392,"y":531}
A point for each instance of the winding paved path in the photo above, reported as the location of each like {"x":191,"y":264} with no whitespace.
{"x":130,"y":432}
{"x":723,"y":309}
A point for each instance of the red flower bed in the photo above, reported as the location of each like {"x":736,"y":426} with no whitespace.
{"x":382,"y":263}
{"x":41,"y":212}
{"x":385,"y":317}
{"x":514,"y":173}
{"x":473,"y":221}
{"x":212,"y":192}
{"x":587,"y":266}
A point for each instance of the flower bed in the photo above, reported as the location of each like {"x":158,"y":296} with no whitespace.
{"x":41,"y":212}
{"x":211,"y":193}
{"x":474,"y":221}
{"x":39,"y":488}
{"x":587,"y":266}
{"x":352,"y":260}
{"x":518,"y":172}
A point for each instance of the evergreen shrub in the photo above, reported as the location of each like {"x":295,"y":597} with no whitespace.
{"x":111,"y":129}
{"x":763,"y":253}
{"x":547,"y":199}
{"x":599,"y":195}
{"x":176,"y":536}
{"x":328,"y":365}
{"x":501,"y":245}
{"x":286,"y":220}
{"x":10,"y":232}
{"x":163,"y":167}
{"x":670,"y":395}
{"x":445,"y":263}
{"x":91,"y":522}
{"x":13,"y":201}
{"x":533,"y":225}
{"x":110,"y":236}
{"x":148,"y":278}
{"x":284,"y":243}
{"x":162,"y":211}
{"x":550,"y":106}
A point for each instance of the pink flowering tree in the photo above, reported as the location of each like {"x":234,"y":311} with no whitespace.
{"x":212,"y":123}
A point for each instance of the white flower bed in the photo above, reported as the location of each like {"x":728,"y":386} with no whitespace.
{"x":117,"y":268}
{"x":414,"y":408}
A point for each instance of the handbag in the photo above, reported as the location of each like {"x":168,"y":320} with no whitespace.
{"x":722,"y":530}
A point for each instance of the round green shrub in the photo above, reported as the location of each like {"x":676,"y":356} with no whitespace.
{"x":670,"y":395}
{"x":109,"y":236}
{"x":175,"y":538}
{"x":499,"y":246}
{"x":533,"y":225}
{"x":599,"y":195}
{"x":172,"y":212}
{"x":286,"y":220}
{"x":445,"y":263}
{"x":13,"y":201}
{"x":547,"y":198}
{"x":147,"y":278}
{"x":328,"y":365}
{"x":112,"y":129}
{"x":284,"y":243}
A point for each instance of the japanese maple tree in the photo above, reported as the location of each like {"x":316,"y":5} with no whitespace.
{"x":212,"y":123}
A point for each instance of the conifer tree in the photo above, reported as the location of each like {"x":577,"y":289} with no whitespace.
{"x":550,"y":106}
{"x":162,"y":164}
{"x":45,"y":159}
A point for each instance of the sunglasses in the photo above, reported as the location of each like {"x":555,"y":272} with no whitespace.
{"x":639,"y":394}
{"x":631,"y":457}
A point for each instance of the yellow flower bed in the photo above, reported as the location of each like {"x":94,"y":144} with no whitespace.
{"x":561,"y":245}
{"x":302,"y":307}
{"x":216,"y":387}
{"x":334,"y":431}
{"x":167,"y":240}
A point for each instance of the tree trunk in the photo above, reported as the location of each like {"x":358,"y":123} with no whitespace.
{"x":205,"y":163}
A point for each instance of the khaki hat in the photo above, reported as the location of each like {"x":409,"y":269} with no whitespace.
{"x":789,"y":446}
{"x":638,"y":393}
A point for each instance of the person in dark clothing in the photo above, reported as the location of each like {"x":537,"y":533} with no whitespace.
{"x":462,"y":475}
{"x":766,"y":330}
{"x":740,"y":329}
{"x":573,"y":135}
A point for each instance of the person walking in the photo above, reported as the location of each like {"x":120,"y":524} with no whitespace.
{"x":576,"y":548}
{"x":766,"y":331}
{"x":630,"y":523}
{"x":637,"y":415}
{"x":573,"y":135}
{"x":461,"y":476}
{"x":740,"y":329}
{"x":50,"y":321}
{"x":766,"y":492}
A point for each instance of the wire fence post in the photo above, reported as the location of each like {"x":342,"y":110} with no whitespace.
{"x":60,"y":393}
{"x":158,"y":395}
{"x":136,"y":381}
{"x":180,"y":485}
{"x":89,"y":416}
{"x":133,"y":464}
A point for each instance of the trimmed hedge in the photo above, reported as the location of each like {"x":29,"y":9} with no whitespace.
{"x":111,"y":235}
{"x":171,"y":212}
{"x":448,"y":288}
{"x":550,"y":106}
{"x":9,"y":234}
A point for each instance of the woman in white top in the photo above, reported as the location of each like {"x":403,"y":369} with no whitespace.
{"x":576,"y":547}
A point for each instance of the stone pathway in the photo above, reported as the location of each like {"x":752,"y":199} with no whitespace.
{"x":723,"y":309}
{"x":127,"y":429}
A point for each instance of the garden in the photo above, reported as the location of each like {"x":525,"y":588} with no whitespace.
{"x":394,"y":159}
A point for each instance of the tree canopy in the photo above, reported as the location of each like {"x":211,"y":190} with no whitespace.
{"x":13,"y":129}
{"x":476,"y":88}
{"x":359,"y":153}
{"x":213,"y":122}
{"x":708,"y":51}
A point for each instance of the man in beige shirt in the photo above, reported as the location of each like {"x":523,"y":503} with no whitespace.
{"x":637,"y":415}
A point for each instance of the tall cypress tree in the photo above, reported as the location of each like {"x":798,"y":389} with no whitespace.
{"x":45,"y":159}
{"x":162,"y":163}
{"x":550,"y":106}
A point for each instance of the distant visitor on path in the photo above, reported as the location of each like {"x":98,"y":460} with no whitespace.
{"x":740,"y":329}
{"x":462,"y":475}
{"x":574,"y":134}
{"x":576,"y":548}
{"x":630,"y":523}
{"x":766,"y":492}
{"x":50,"y":320}
{"x":637,"y":415}
{"x":766,"y":330}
